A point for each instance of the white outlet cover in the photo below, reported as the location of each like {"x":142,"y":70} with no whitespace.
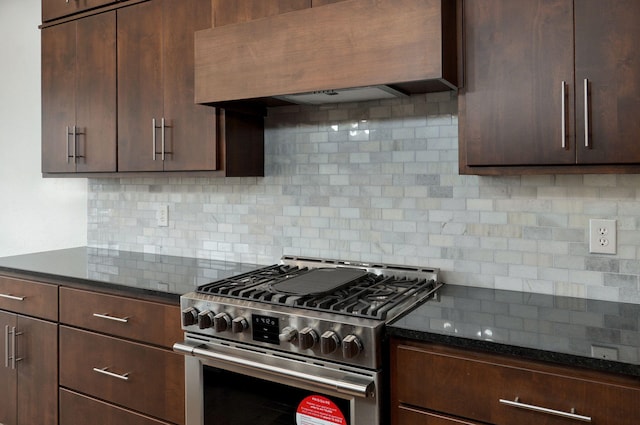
{"x":603,"y":236}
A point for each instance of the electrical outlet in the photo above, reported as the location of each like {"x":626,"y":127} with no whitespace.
{"x":607,"y":353}
{"x":162,"y":215}
{"x":602,"y":236}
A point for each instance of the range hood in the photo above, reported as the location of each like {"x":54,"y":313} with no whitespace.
{"x":351,"y":50}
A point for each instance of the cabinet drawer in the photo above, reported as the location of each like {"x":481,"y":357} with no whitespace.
{"x":409,"y":416}
{"x":78,"y":409}
{"x":53,"y":9}
{"x":146,"y":379}
{"x":29,"y":298}
{"x":139,"y":320}
{"x":472,"y":385}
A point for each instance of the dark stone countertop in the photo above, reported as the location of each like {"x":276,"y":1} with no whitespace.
{"x":138,"y":274}
{"x":534,"y":326}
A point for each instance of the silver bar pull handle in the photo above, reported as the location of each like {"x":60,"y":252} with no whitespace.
{"x":105,"y":371}
{"x":153,"y":137}
{"x":66,"y":138}
{"x":74,"y":141}
{"x":568,"y":415}
{"x":564,"y":115}
{"x":107,"y":316}
{"x":6,"y":345}
{"x":586,"y":112}
{"x":162,"y":137}
{"x":12,"y":297}
{"x":13,"y":355}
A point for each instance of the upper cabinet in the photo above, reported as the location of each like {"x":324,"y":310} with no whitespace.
{"x":79,"y":95}
{"x":160,"y":128}
{"x":550,"y":87}
{"x":54,"y":9}
{"x":118,"y":97}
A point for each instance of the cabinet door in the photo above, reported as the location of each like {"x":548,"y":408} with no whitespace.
{"x":8,"y":381}
{"x":79,"y":89}
{"x":191,"y":137}
{"x":58,"y":96}
{"x":517,"y":56}
{"x":608,"y":56}
{"x":37,"y":371}
{"x":139,"y":40}
{"x":96,"y":93}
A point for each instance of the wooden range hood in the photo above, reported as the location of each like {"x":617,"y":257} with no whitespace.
{"x":382,"y":45}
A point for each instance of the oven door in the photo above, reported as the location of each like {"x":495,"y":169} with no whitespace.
{"x":238,"y":384}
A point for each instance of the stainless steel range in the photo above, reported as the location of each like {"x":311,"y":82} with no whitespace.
{"x":307,"y":335}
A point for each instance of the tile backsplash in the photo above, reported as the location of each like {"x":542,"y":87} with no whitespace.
{"x":378,"y":181}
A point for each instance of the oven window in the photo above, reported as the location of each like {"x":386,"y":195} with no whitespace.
{"x":235,"y":399}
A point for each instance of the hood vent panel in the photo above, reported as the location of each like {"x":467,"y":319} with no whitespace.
{"x":311,"y":53}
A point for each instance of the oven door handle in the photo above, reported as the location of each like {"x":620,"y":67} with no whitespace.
{"x":354,"y":387}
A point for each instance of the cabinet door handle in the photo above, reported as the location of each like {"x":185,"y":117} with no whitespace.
{"x":12,"y":297}
{"x":11,"y":356}
{"x":113,"y":318}
{"x":153,"y":137}
{"x":6,"y":346}
{"x":564,"y":115}
{"x":66,"y":138}
{"x":568,"y":415}
{"x":586,"y":112}
{"x":74,"y":141}
{"x":105,"y":371}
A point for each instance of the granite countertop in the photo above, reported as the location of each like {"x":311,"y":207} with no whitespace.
{"x":159,"y":276}
{"x":534,"y":326}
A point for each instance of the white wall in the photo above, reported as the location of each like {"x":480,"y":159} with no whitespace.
{"x":36,"y":214}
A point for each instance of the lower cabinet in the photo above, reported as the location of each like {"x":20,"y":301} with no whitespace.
{"x":437,"y":385}
{"x":29,"y":371}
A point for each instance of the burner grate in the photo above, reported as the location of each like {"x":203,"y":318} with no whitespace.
{"x":350,"y":291}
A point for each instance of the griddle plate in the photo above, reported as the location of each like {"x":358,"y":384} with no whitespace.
{"x":318,"y":281}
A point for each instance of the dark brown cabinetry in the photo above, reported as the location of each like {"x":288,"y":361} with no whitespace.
{"x":29,"y":369}
{"x":434,"y":384}
{"x":53,"y":9}
{"x":116,"y":361}
{"x":550,"y":86}
{"x":118,"y":96}
{"x":160,"y":128}
{"x":79,"y":95}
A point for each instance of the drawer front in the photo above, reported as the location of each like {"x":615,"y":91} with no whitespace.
{"x":473,"y":386}
{"x":408,"y":416}
{"x":146,"y":379}
{"x":139,"y":320}
{"x":78,"y":409}
{"x":29,"y":298}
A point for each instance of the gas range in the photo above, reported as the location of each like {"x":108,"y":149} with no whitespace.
{"x":314,"y":308}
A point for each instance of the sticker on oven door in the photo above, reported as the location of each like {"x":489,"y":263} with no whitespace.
{"x":319,"y":410}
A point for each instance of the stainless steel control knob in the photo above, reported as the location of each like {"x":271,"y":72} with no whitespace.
{"x":221,"y":322}
{"x":239,"y":325}
{"x":307,"y":338}
{"x":189,"y":316}
{"x":351,"y":346}
{"x":289,"y":334}
{"x":205,"y":319}
{"x":329,"y":342}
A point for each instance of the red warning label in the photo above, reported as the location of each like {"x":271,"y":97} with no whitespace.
{"x":319,"y":410}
